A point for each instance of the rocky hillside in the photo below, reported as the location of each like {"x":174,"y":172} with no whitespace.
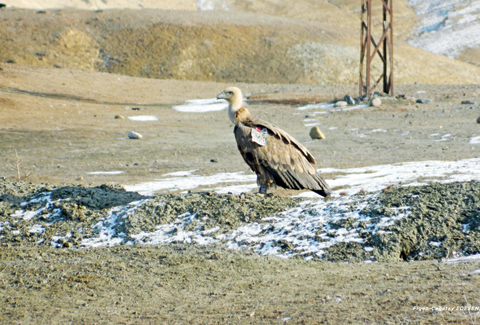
{"x":450,"y":28}
{"x":252,"y":41}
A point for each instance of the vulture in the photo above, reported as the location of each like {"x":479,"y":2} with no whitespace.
{"x":276,"y":157}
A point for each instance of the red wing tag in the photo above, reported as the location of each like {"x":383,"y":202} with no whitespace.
{"x":259,"y":136}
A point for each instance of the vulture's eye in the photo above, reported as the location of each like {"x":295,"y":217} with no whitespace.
{"x":229,"y":93}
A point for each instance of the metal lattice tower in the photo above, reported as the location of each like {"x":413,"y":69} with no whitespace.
{"x":382,"y":50}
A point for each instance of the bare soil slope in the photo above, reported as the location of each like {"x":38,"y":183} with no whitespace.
{"x":209,"y":46}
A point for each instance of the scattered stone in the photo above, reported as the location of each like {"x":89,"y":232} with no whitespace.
{"x":135,"y":108}
{"x":376,"y":102}
{"x":119,"y":117}
{"x":401,"y":96}
{"x":316,"y":133}
{"x":341,"y":103}
{"x":349,"y":99}
{"x":423,"y":101}
{"x":478,"y":119}
{"x":134,"y":135}
{"x":362,"y":98}
{"x":467,"y":102}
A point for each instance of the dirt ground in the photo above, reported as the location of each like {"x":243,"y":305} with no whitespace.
{"x":66,"y":128}
{"x":195,"y":285}
{"x":61,"y":121}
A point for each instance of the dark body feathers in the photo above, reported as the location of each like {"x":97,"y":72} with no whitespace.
{"x":281,"y":161}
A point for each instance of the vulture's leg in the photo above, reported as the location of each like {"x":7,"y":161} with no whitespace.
{"x":263,"y":189}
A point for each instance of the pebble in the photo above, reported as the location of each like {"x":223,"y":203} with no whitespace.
{"x":376,"y":102}
{"x":341,"y":103}
{"x":316,"y":133}
{"x":134,"y":135}
{"x":478,"y":119}
{"x":349,"y":99}
{"x":423,"y":100}
{"x":119,"y":117}
{"x":362,"y":98}
{"x":468,"y":102}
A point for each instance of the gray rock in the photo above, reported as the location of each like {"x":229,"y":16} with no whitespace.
{"x":134,"y":135}
{"x":478,"y":119}
{"x":362,"y":98}
{"x":423,"y":101}
{"x":341,"y":103}
{"x":349,"y":99}
{"x":467,"y":102}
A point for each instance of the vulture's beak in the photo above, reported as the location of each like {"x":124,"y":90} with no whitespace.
{"x":222,"y":95}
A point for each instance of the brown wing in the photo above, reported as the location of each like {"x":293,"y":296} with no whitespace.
{"x":282,"y":161}
{"x":252,"y":121}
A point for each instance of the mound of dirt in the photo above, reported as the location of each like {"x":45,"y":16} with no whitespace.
{"x":401,"y":223}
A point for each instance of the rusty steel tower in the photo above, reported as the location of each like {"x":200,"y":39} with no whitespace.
{"x":370,"y":50}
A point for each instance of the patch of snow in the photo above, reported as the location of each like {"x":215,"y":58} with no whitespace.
{"x":446,"y":27}
{"x":374,"y":178}
{"x":143,"y":118}
{"x":209,"y":5}
{"x":117,"y":172}
{"x":36,"y":229}
{"x":319,"y":105}
{"x":181,"y":173}
{"x":463,"y":259}
{"x":474,"y":140}
{"x":177,"y":183}
{"x":349,"y":180}
{"x":330,"y":107}
{"x":435,"y":243}
{"x":202,"y":105}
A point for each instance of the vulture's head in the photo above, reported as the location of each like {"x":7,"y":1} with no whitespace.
{"x":234,"y":97}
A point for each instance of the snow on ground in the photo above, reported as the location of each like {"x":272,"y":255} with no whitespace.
{"x":348,"y":180}
{"x":116,"y":172}
{"x":187,"y":181}
{"x":306,"y":230}
{"x":330,"y":107}
{"x":202,"y":105}
{"x":307,"y":233}
{"x":143,"y":118}
{"x":474,"y":140}
{"x":447,"y":27}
